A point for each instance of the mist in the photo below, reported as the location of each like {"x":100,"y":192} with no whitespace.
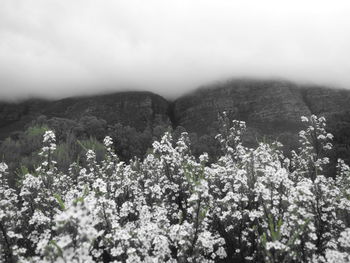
{"x":56,"y":48}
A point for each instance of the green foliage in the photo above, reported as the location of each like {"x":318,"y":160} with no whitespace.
{"x":36,"y":131}
{"x":92,"y":144}
{"x":20,"y":173}
{"x":60,"y":201}
{"x":23,"y":151}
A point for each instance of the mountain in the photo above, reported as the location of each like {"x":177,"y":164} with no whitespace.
{"x":268,"y":108}
{"x":271,"y":108}
{"x":136,"y":109}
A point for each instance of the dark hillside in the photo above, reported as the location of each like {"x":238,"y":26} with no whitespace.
{"x":272,"y":110}
{"x":136,"y":109}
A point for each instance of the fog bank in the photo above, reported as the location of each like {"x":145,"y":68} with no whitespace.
{"x":59,"y":48}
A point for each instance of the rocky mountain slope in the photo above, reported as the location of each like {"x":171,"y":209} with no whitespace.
{"x":136,"y":109}
{"x":269,"y":106}
{"x":272,"y":109}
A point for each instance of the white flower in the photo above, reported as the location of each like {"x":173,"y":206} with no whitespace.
{"x":90,"y":155}
{"x":276,"y":245}
{"x":304,"y":119}
{"x":108,"y":141}
{"x":49,"y":136}
{"x":344,"y":238}
{"x":3,"y":167}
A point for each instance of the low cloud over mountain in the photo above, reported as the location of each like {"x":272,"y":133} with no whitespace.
{"x":61,"y":48}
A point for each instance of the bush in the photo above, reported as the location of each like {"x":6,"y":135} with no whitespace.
{"x":251,"y":205}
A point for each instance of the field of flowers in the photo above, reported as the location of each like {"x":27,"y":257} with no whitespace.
{"x":252,"y":205}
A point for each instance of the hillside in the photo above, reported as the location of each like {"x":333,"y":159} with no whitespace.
{"x":272,"y":109}
{"x":136,"y":109}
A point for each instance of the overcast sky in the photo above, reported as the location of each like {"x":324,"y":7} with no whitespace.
{"x":68,"y":47}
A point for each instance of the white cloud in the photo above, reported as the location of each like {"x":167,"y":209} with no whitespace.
{"x":61,"y":48}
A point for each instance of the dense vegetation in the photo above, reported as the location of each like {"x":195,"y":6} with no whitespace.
{"x":249,"y":205}
{"x":74,"y":137}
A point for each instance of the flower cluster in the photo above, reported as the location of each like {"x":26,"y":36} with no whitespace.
{"x":252,"y":205}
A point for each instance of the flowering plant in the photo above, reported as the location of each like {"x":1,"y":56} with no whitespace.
{"x":252,"y":205}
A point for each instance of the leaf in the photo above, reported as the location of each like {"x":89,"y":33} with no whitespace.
{"x":80,"y":143}
{"x":263,"y":239}
{"x":60,"y":252}
{"x":60,"y":201}
{"x":79,"y":199}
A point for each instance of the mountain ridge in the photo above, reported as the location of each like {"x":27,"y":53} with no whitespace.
{"x":270,"y":108}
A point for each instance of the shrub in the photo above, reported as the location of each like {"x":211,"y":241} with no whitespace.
{"x":251,"y":205}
